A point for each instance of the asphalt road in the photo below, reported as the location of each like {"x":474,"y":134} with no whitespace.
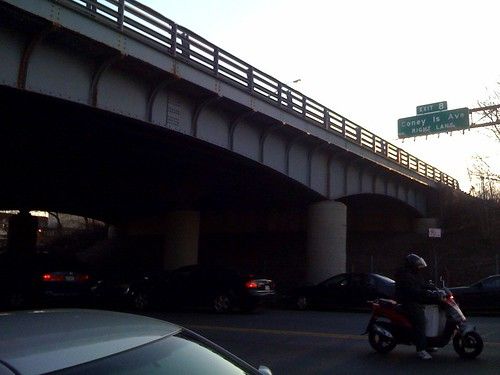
{"x":314,"y":342}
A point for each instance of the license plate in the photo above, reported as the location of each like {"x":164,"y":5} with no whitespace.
{"x":267,"y":287}
{"x":70,"y":278}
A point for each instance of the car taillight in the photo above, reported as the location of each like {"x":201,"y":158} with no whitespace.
{"x":251,"y":284}
{"x":64,"y":276}
{"x":52,"y":277}
{"x":83,"y":277}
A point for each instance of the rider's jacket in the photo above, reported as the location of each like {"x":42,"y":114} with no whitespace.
{"x":411,"y":287}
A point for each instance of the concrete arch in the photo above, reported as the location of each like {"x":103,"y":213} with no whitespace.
{"x":53,"y":70}
{"x":213,"y":125}
{"x":119,"y":92}
{"x":234,"y":123}
{"x":28,"y":50}
{"x":101,"y":69}
{"x":199,"y":109}
{"x":168,"y":93}
{"x":247,"y":137}
{"x":157,"y":89}
{"x":274,"y":151}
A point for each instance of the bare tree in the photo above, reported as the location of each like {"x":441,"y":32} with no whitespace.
{"x":485,"y":182}
{"x":485,"y":178}
{"x":489,"y":115}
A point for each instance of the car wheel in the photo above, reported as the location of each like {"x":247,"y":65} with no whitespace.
{"x":381,"y":343}
{"x":140,"y":301}
{"x":222,"y":303}
{"x":469,"y":345}
{"x":302,"y":303}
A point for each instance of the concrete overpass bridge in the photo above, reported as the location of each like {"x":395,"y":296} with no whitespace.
{"x":113,"y":111}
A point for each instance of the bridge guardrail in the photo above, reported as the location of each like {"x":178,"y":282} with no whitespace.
{"x":180,"y":42}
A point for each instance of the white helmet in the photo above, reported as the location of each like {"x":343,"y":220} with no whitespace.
{"x":415,"y":262}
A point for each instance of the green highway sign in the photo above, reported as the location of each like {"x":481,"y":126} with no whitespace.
{"x":432,"y":123}
{"x":433,"y":107}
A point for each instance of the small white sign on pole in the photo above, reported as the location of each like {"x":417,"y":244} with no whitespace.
{"x":435,"y":232}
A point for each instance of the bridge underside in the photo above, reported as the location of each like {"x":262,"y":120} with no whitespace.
{"x":72,"y":158}
{"x":107,"y":125}
{"x":213,"y":144}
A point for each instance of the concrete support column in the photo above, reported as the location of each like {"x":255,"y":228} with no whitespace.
{"x":22,"y":233}
{"x":326,"y":240}
{"x":179,"y":232}
{"x":181,"y":239}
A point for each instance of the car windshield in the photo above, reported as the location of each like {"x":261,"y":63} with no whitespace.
{"x":384,"y":279}
{"x":179,"y":354}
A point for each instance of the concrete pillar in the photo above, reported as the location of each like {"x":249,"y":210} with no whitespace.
{"x":326,"y":240}
{"x":181,"y":239}
{"x":180,"y":231}
{"x":22,"y":233}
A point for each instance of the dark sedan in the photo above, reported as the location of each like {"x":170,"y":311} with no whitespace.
{"x":483,"y":295}
{"x":41,"y":279}
{"x":193,"y":287}
{"x":344,"y":291}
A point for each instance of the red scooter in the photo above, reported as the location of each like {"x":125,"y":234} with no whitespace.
{"x":389,"y":326}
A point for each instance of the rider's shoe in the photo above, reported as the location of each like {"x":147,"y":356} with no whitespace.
{"x":423,"y":355}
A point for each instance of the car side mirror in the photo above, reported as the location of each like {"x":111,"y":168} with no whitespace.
{"x":264,"y":370}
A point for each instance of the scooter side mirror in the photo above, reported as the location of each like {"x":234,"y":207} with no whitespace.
{"x":264,"y":370}
{"x":441,"y":278}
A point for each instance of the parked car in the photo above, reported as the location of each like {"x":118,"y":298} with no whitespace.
{"x":482,"y":295}
{"x":206,"y":287}
{"x":134,"y":289}
{"x":41,"y":279}
{"x":97,"y":342}
{"x":344,"y":291}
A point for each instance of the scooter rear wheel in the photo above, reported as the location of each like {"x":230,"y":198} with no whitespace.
{"x":469,"y":345}
{"x":381,"y":343}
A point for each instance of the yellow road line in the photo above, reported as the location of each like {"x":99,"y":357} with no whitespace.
{"x":281,"y":332}
{"x":339,"y":336}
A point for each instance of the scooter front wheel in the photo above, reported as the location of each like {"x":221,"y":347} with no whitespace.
{"x":469,"y":345}
{"x":381,"y":343}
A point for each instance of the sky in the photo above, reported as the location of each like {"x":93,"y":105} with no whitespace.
{"x":370,"y":61}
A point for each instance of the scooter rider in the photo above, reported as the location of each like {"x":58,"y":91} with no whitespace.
{"x":413,"y":293}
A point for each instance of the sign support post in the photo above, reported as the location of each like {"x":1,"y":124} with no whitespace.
{"x":435,"y":233}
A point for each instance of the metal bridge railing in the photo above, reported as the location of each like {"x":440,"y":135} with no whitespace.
{"x":130,"y":16}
